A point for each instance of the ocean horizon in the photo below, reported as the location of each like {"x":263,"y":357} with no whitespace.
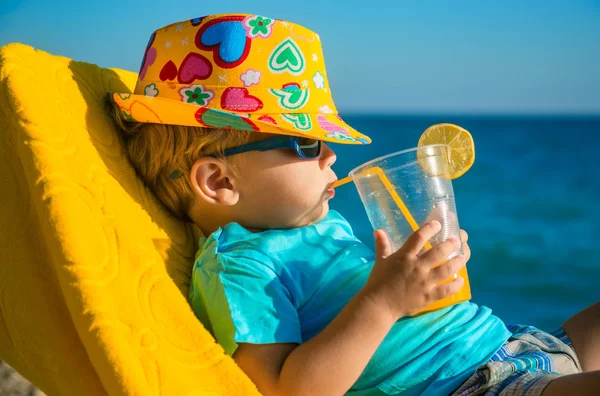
{"x":528,"y":204}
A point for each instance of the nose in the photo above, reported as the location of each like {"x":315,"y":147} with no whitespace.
{"x":328,"y":157}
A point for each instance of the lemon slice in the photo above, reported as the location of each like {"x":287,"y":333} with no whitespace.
{"x":461,"y":155}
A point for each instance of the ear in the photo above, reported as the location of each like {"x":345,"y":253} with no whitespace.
{"x":213,"y":182}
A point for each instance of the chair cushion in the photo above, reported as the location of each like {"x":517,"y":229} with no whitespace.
{"x":94,"y":271}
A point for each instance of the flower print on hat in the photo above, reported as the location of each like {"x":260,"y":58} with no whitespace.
{"x":250,"y":77}
{"x":196,"y":94}
{"x":150,"y":90}
{"x":258,"y":26}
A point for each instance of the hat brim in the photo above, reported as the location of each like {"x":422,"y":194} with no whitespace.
{"x":321,"y":126}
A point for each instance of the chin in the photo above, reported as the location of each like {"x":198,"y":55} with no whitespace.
{"x":313,"y":217}
{"x":321,"y":214}
{"x":325,"y":210}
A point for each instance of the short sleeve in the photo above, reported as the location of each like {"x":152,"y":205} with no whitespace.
{"x":245,"y":301}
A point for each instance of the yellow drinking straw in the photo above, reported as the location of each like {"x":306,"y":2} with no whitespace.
{"x":341,"y":182}
{"x":392,"y":189}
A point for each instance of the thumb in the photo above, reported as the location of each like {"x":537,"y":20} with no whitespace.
{"x":382,"y":244}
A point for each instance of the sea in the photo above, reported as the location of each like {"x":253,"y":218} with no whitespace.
{"x":530,"y":204}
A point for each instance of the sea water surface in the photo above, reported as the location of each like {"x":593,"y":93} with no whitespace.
{"x":530,"y":203}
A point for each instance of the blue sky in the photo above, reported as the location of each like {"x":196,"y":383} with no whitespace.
{"x":468,"y":57}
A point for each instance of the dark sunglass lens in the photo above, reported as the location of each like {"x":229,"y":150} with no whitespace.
{"x":309,"y":147}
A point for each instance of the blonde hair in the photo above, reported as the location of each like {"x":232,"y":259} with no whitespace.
{"x":157,"y":151}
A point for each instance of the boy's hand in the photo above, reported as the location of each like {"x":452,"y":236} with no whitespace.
{"x":464,"y":237}
{"x":404,"y":282}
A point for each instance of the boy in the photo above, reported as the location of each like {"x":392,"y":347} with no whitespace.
{"x":231,"y":114}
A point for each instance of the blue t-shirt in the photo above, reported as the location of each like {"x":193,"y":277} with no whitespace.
{"x":281,"y":286}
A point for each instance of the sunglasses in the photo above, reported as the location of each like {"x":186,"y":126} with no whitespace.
{"x":305,"y":148}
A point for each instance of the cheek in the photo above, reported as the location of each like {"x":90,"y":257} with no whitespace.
{"x":281,"y":184}
{"x":297,"y":180}
{"x":281,"y":180}
{"x":264,"y":186}
{"x":282,"y":188}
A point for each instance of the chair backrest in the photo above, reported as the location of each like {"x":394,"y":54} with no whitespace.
{"x":94,"y":272}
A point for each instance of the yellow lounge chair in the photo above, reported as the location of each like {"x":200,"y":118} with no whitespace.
{"x":94,"y":272}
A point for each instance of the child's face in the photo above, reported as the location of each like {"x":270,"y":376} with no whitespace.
{"x":279,"y":190}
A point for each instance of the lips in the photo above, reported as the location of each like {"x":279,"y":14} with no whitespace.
{"x":331,"y":190}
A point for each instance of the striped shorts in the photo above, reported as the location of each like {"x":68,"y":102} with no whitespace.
{"x":525,"y":364}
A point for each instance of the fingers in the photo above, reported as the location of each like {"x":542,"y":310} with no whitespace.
{"x":447,"y":270}
{"x":383,"y":248}
{"x":417,"y":240}
{"x":447,"y":289}
{"x":464,"y":237}
{"x":466,"y":251}
{"x":439,"y":254}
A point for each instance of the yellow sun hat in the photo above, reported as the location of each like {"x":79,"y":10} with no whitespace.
{"x":238,"y":71}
